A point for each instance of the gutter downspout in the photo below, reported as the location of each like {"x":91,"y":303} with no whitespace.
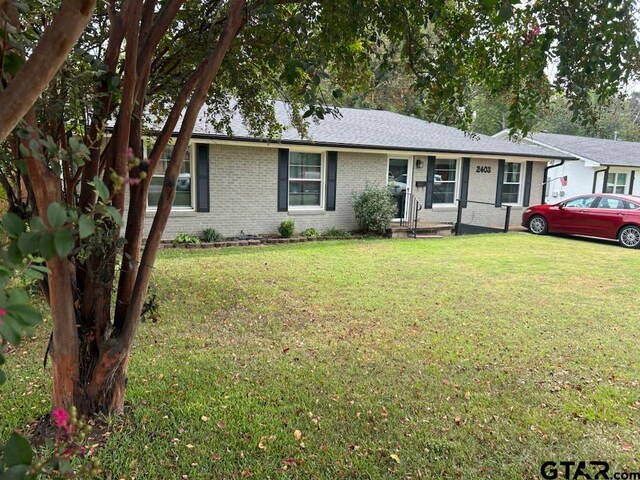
{"x":606,"y":180}
{"x":544,"y":184}
{"x":595,"y":178}
{"x":632,"y":181}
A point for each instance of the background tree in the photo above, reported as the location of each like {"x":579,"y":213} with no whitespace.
{"x":164,"y":60}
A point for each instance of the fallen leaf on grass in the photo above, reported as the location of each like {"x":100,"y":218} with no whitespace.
{"x":220,"y":424}
{"x":189,"y":446}
{"x":627,"y":448}
{"x":297,"y":434}
{"x":395,"y":457}
{"x":215,"y":457}
{"x":458,"y":420}
{"x":291,"y":462}
{"x":204,"y":419}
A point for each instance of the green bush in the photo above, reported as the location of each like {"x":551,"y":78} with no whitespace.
{"x":374,"y":207}
{"x":336,"y":232}
{"x":286,"y":228}
{"x":186,"y":238}
{"x":310,"y":232}
{"x":210,"y":235}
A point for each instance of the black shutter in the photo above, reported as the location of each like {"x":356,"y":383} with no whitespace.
{"x":431,"y":172}
{"x":499,"y":183}
{"x":283,"y":179}
{"x":527,"y":184}
{"x":202,"y":177}
{"x":632,"y":181}
{"x":332,"y":173}
{"x":464,"y":188}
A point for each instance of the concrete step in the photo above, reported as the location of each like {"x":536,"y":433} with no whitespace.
{"x":441,"y":229}
{"x":429,"y":236}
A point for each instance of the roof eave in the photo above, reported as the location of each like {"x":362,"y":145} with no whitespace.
{"x":377,"y":147}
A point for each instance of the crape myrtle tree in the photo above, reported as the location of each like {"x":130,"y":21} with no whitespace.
{"x":165,"y":62}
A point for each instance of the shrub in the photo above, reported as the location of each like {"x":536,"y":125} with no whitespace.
{"x":186,"y":238}
{"x":210,"y":235}
{"x":336,"y":232}
{"x":374,"y":208}
{"x":286,"y":228}
{"x":310,"y":232}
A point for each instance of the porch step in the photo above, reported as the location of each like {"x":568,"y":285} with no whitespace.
{"x":424,"y":230}
{"x":429,"y":236}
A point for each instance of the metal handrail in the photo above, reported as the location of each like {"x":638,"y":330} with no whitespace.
{"x":411,"y":206}
{"x":461,"y":205}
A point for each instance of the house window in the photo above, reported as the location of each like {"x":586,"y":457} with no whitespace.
{"x":305,"y":179}
{"x":616,"y":182}
{"x":184,"y":185}
{"x":444,"y":182}
{"x":511,"y":182}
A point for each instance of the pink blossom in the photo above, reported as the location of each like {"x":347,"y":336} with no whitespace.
{"x":61,"y":418}
{"x":536,"y":30}
{"x":3,"y":312}
{"x":130,"y":154}
{"x":133,"y":181}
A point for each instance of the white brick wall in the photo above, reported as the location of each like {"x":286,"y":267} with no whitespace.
{"x":243,"y":194}
{"x":482,"y":188}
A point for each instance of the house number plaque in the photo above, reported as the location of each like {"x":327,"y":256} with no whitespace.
{"x":483,"y":169}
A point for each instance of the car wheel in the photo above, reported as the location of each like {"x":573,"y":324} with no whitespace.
{"x":538,"y":225}
{"x":629,"y":236}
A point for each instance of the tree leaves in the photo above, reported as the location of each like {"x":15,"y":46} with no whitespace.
{"x":56,"y":214}
{"x":86,"y":226}
{"x":17,"y":451}
{"x":13,"y":224}
{"x":101,"y":189}
{"x":63,"y":242}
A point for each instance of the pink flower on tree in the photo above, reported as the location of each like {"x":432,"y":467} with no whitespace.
{"x":3,"y":312}
{"x":61,"y":419}
{"x":130,"y":154}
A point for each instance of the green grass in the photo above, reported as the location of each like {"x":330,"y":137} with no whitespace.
{"x":471,"y":357}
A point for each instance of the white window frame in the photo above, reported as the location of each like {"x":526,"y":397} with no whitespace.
{"x":322,"y":180}
{"x":615,"y":182}
{"x":520,"y":183}
{"x":456,"y":183}
{"x":192,"y":160}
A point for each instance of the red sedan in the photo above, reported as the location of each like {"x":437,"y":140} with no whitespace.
{"x":594,"y":215}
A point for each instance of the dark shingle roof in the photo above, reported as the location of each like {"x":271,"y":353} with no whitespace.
{"x":605,"y":152}
{"x":378,"y":129}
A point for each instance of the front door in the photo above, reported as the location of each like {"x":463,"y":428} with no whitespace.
{"x":399,"y":179}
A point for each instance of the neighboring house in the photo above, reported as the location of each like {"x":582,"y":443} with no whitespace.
{"x":243,"y":183}
{"x":603,"y":166}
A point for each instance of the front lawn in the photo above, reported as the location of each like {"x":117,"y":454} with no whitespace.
{"x":471,"y":357}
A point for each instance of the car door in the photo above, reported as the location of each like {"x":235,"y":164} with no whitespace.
{"x":606,"y":217}
{"x":572,"y":216}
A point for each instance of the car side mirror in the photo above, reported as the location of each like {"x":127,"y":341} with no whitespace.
{"x":562,"y":205}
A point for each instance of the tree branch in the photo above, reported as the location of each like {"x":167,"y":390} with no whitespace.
{"x":43,"y":64}
{"x":212,"y":64}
